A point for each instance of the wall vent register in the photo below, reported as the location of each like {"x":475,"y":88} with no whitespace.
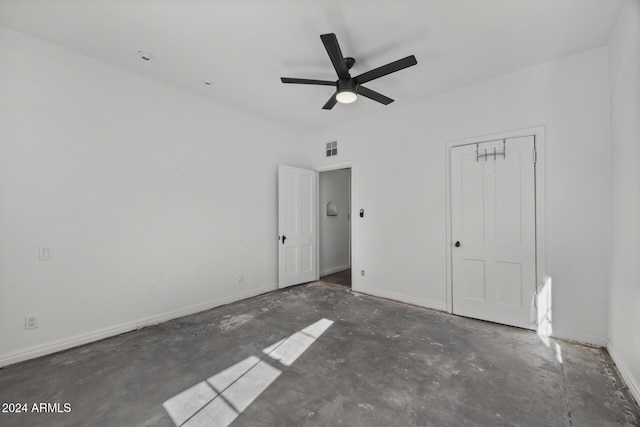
{"x":332,"y":148}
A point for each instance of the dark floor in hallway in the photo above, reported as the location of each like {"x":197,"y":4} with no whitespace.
{"x":318,"y":354}
{"x":342,"y":278}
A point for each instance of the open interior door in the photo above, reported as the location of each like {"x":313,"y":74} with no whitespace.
{"x":297,"y":210}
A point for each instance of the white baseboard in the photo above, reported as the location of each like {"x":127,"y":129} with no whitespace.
{"x":579,"y":338}
{"x":436,"y":305}
{"x":74,"y":341}
{"x":631,"y":382}
{"x":335,"y":270}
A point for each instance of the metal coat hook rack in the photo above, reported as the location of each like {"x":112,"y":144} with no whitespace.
{"x":495,"y":153}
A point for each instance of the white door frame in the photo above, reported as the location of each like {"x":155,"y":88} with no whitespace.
{"x":326,"y":167}
{"x":538,"y":132}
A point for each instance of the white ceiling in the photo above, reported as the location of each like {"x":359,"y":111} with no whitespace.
{"x":245,"y":46}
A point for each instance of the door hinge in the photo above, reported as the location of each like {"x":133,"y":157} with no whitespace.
{"x":535,"y":156}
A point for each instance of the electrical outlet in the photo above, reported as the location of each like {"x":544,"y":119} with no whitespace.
{"x":45,"y":253}
{"x":240,"y":278}
{"x":30,"y":321}
{"x":362,"y":272}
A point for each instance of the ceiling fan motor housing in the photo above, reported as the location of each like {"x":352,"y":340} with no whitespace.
{"x":347,"y":85}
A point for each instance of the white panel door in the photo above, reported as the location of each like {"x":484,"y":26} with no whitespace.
{"x":297,"y":209}
{"x":493,"y":231}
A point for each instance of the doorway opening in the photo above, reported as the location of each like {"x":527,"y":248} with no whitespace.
{"x":334,"y":226}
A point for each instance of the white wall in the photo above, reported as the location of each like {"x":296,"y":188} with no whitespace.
{"x":399,"y":179}
{"x":153,"y":207}
{"x":624,"y":297}
{"x":334,"y":230}
{"x":153,"y":200}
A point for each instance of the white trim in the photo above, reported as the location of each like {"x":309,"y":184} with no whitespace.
{"x":538,"y":132}
{"x":66,"y":343}
{"x":631,"y":382}
{"x":316,"y":242}
{"x":435,"y":305}
{"x":335,"y":270}
{"x":578,"y":337}
{"x":325,"y":167}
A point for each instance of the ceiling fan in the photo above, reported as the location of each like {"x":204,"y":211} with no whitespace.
{"x":348,"y":88}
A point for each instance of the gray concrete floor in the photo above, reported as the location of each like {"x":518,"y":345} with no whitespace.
{"x":342,"y":278}
{"x":371,"y":362}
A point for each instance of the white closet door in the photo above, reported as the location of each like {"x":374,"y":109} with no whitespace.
{"x":493,"y":231}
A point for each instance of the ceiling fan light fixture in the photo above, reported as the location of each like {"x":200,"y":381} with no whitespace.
{"x":347,"y":90}
{"x":346,"y":97}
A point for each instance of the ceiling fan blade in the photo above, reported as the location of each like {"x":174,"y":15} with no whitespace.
{"x":335,"y":54}
{"x":387,"y":69}
{"x":372,"y":94}
{"x":331,"y":102}
{"x":307,"y":81}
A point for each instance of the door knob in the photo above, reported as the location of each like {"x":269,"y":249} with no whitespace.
{"x":457,"y":245}
{"x":283,"y":238}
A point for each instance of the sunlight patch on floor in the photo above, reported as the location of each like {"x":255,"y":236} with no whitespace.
{"x":558,"y":352}
{"x":221,"y":398}
{"x":545,"y":329}
{"x":288,"y":350}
